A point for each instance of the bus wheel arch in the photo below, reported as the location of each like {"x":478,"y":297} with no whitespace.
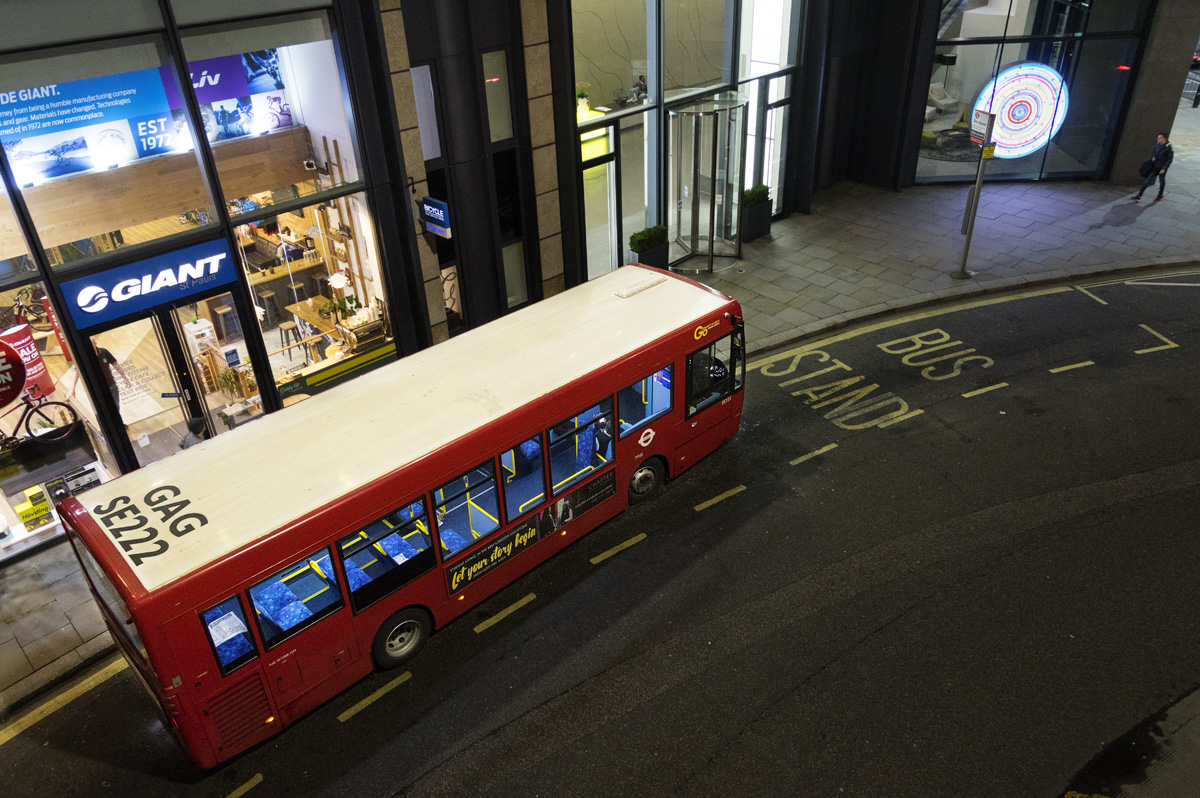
{"x":401,"y":637}
{"x":647,"y":479}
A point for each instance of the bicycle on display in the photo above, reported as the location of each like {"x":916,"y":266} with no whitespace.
{"x":26,"y":308}
{"x":42,"y":420}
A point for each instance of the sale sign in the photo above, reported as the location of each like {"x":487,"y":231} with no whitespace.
{"x":12,"y":374}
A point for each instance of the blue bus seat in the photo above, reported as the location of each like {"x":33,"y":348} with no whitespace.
{"x":452,"y":539}
{"x":583,"y":448}
{"x":398,"y":548}
{"x":356,"y":576}
{"x":280,"y":604}
{"x":234,"y":647}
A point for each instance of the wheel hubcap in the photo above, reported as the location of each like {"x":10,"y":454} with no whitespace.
{"x":403,"y":638}
{"x":643,"y":480}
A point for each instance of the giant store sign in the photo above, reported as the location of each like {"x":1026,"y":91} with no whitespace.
{"x":148,"y":283}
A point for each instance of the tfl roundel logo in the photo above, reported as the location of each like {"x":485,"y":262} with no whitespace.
{"x":646,"y":437}
{"x":92,"y":299}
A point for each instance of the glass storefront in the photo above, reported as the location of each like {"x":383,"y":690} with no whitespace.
{"x":627,"y":89}
{"x":1080,"y":43}
{"x":175,"y":327}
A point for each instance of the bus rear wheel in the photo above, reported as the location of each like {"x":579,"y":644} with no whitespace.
{"x":646,"y":481}
{"x":400,"y":638}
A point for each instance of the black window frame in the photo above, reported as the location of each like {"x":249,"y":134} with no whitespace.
{"x":403,"y":574}
{"x":622,"y":434}
{"x":469,"y":544}
{"x":306,"y":623}
{"x":733,"y":380}
{"x":540,"y":437}
{"x":245,"y":659}
{"x":580,"y":476}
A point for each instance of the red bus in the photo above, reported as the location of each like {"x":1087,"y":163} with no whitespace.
{"x":254,"y":576}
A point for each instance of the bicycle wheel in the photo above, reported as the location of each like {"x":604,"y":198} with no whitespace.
{"x":50,"y":421}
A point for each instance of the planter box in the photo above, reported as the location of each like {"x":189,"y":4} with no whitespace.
{"x":655,"y":256}
{"x":756,"y":221}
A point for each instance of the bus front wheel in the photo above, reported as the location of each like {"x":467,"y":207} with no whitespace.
{"x":400,"y":638}
{"x":646,"y":481}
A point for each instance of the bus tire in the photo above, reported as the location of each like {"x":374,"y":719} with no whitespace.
{"x":647,"y":480}
{"x":400,"y":638}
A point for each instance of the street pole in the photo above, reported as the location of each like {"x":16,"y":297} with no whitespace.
{"x":973,"y":197}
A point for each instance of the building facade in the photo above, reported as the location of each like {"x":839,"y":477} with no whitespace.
{"x":214,"y":210}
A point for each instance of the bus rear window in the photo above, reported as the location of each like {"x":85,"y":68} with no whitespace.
{"x":387,"y":554}
{"x":295,"y":598}
{"x":108,"y":594}
{"x":228,"y":635}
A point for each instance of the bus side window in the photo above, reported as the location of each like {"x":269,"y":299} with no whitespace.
{"x":644,"y":401}
{"x":228,"y":635}
{"x":715,"y":372}
{"x":387,"y":554}
{"x":467,"y":509}
{"x":581,"y":444}
{"x":295,"y":598}
{"x":523,"y":479}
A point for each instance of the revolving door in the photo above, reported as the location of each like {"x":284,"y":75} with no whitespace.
{"x":707,"y":152}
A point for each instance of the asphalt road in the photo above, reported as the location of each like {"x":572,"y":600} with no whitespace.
{"x":961,"y":562}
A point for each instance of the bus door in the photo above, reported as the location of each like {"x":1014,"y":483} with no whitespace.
{"x":713,"y":374}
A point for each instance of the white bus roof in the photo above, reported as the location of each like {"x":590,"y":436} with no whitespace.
{"x":286,"y":465}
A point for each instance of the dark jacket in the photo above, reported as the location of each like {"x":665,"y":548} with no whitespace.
{"x":1163,"y":155}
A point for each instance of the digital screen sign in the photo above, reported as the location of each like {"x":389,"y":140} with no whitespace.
{"x":1030,"y":102}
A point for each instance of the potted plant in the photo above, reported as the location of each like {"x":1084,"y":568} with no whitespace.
{"x":581,"y":95}
{"x":228,"y":381}
{"x":340,"y":308}
{"x":756,"y":212}
{"x":649,"y":246}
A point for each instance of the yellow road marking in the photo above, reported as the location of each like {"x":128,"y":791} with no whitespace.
{"x":883,"y":325}
{"x":995,"y":387}
{"x":811,"y":455}
{"x":1073,"y":366}
{"x":375,"y":696}
{"x":504,"y":613}
{"x":1089,"y":293}
{"x":61,"y":700}
{"x":721,"y":498}
{"x":599,"y":558}
{"x":1168,"y":344}
{"x":254,"y":781}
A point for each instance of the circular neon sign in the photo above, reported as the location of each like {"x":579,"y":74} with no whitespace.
{"x":1030,"y":102}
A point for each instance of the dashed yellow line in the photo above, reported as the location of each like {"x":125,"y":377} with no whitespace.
{"x":61,"y":700}
{"x":1084,"y":364}
{"x":811,"y":455}
{"x":721,"y":498}
{"x":979,"y":391}
{"x":504,"y":613}
{"x":373,"y":697}
{"x":599,"y":558}
{"x":1167,"y":343}
{"x":254,"y":781}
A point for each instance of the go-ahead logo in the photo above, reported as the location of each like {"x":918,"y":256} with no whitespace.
{"x":93,"y":298}
{"x":703,"y":329}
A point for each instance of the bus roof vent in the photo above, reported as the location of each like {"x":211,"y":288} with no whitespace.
{"x":640,"y":287}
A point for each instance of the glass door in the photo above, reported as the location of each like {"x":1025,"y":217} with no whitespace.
{"x":182,"y":370}
{"x":707,"y":152}
{"x":215,"y":356}
{"x":151,"y":399}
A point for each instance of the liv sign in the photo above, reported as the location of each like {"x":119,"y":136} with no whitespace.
{"x":148,"y":283}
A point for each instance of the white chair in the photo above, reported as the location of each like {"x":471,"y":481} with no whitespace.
{"x":930,"y":112}
{"x":939,"y":99}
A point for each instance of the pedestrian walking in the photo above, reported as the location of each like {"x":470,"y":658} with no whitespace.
{"x":1156,"y":167}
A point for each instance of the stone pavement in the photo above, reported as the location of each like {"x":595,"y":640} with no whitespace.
{"x":862,"y":252}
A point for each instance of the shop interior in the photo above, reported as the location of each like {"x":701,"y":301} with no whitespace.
{"x":276,"y":122}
